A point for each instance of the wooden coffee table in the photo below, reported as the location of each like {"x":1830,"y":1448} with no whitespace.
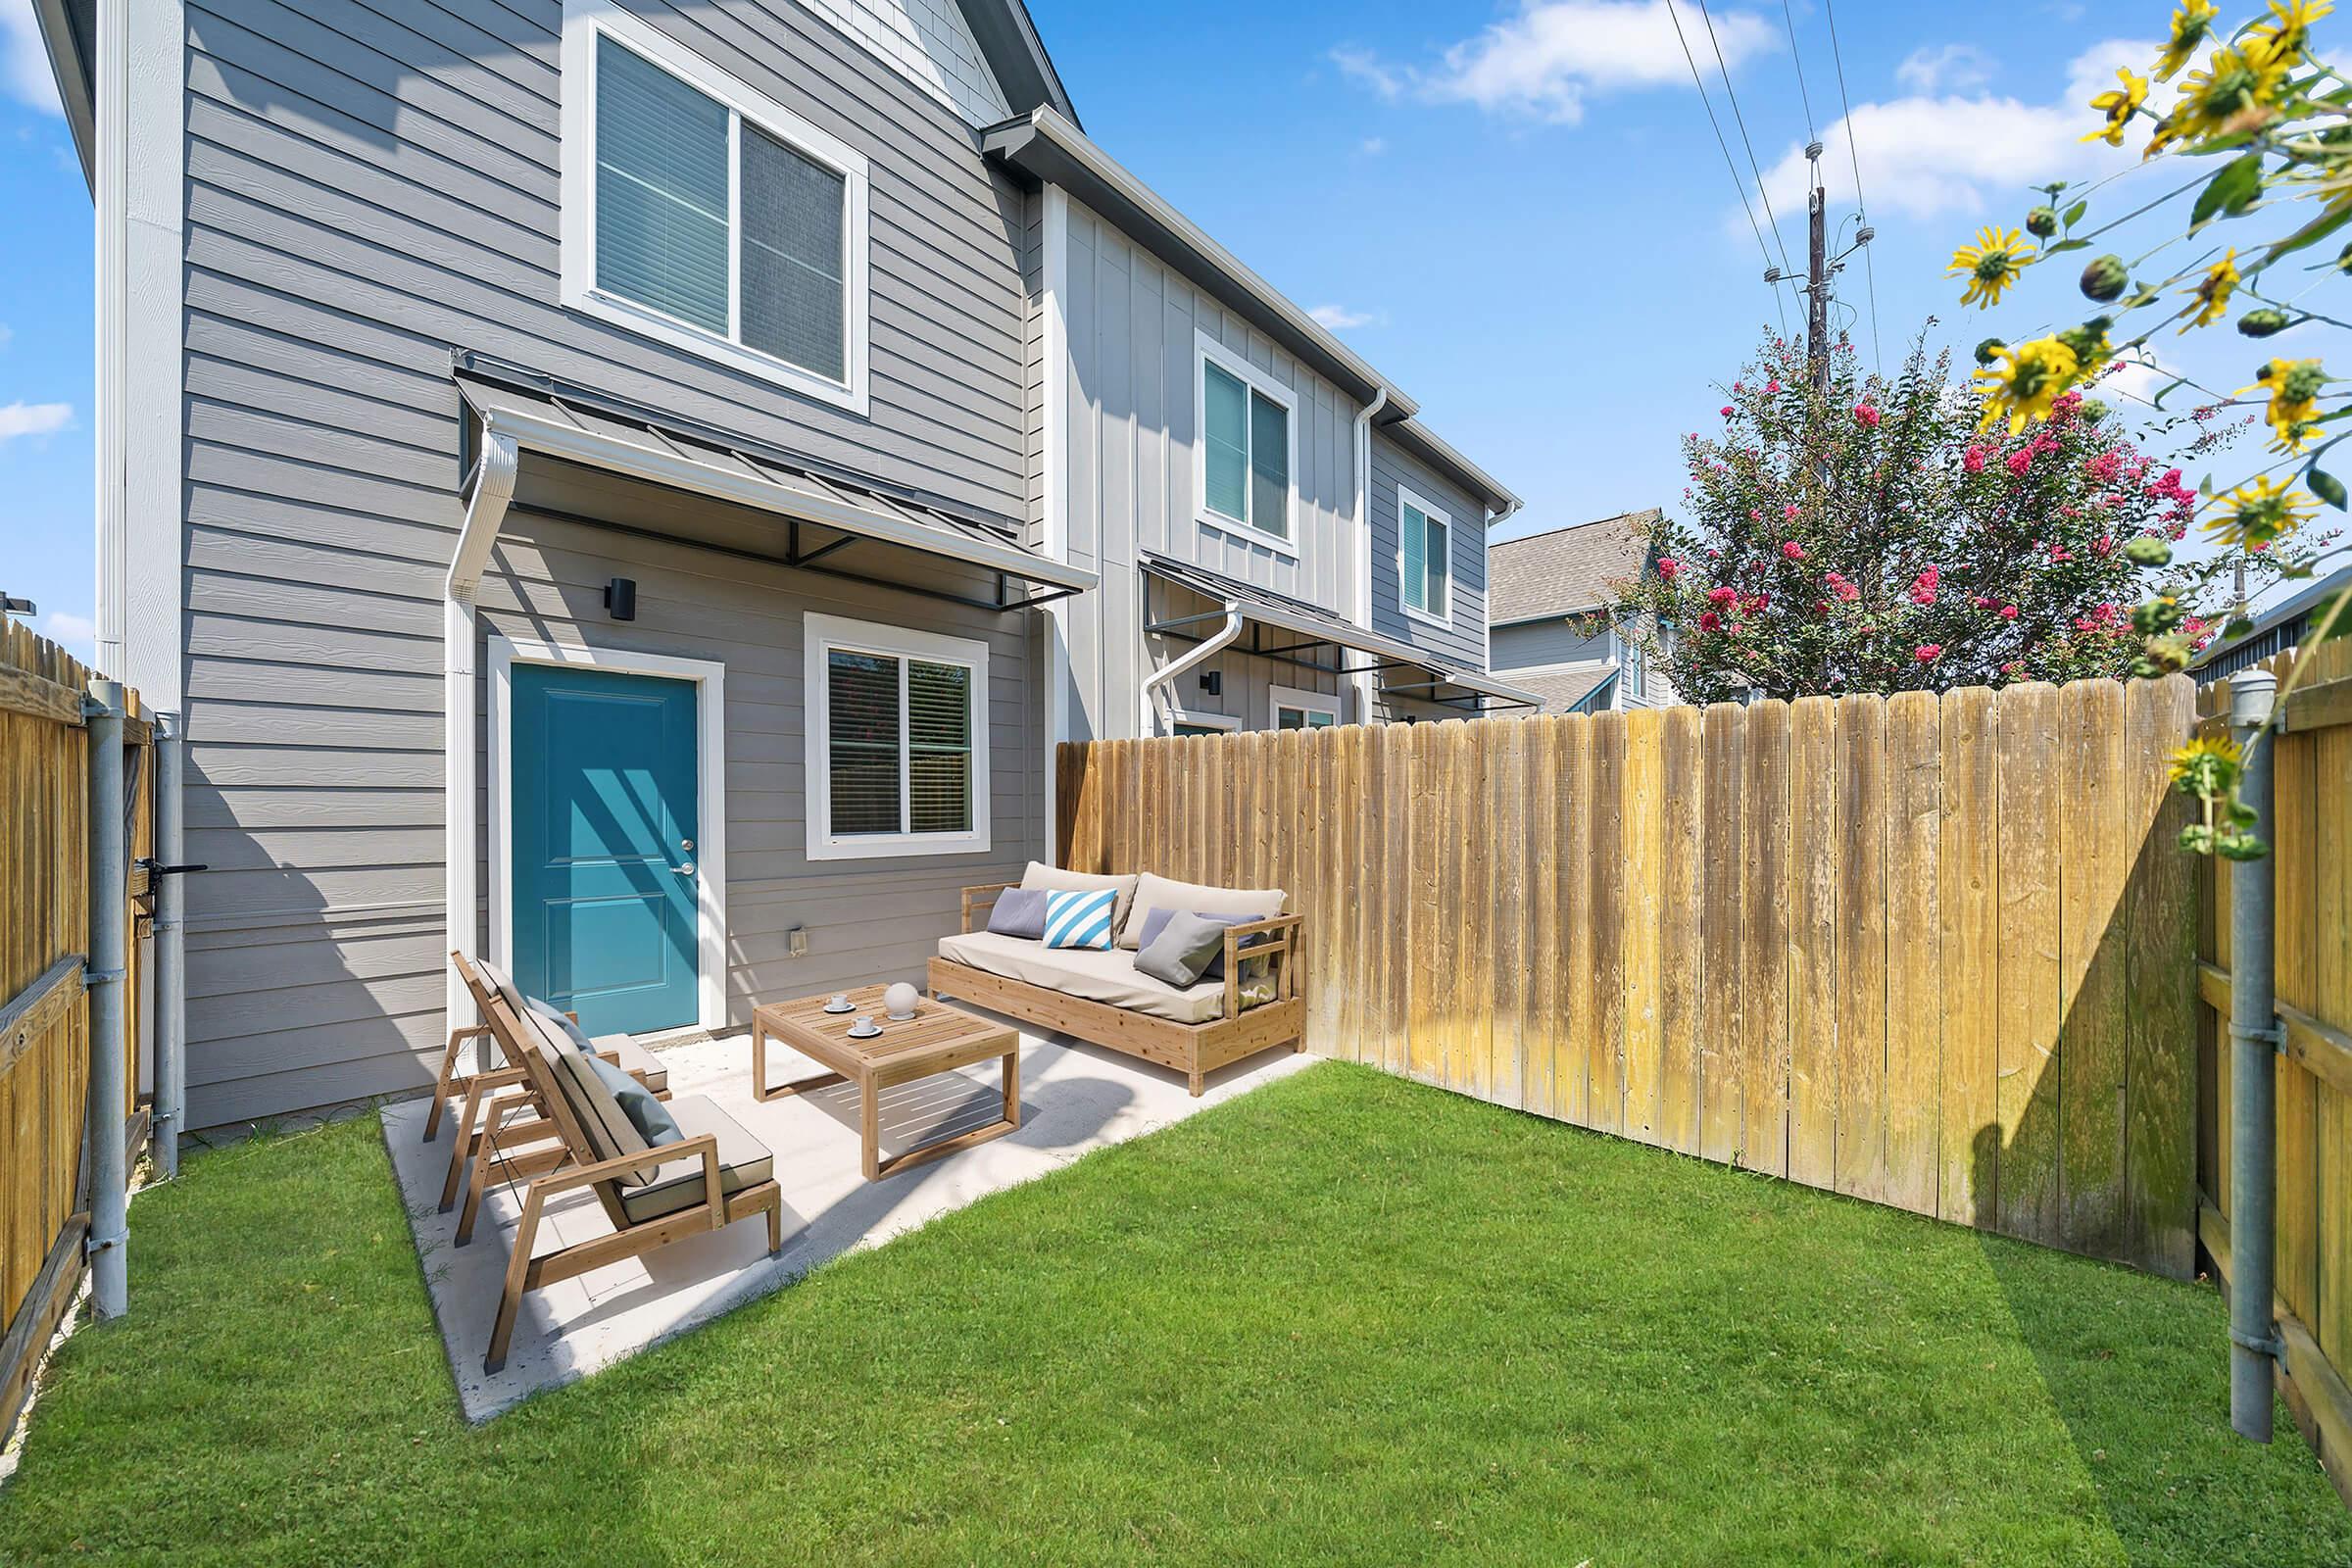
{"x":937,"y":1039}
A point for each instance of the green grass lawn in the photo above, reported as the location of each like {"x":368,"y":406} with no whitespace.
{"x":1343,"y":1319}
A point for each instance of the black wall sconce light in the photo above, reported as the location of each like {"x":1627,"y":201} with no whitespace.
{"x":1212,"y":682}
{"x":621,"y":597}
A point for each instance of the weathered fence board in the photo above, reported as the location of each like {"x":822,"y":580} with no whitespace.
{"x":1932,"y":952}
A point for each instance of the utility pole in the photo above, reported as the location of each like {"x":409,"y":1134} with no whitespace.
{"x":1817,"y":275}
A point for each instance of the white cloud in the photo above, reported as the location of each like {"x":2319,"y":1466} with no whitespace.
{"x":25,"y":71}
{"x":1338,"y":317}
{"x":1954,"y":68}
{"x":1927,"y":154}
{"x":77,"y":634}
{"x":33,"y":419}
{"x":8,"y":334}
{"x":1545,"y":61}
{"x":1374,"y":146}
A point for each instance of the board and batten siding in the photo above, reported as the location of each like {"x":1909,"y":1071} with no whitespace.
{"x":1129,"y":461}
{"x":368,"y":189}
{"x":1463,"y":644}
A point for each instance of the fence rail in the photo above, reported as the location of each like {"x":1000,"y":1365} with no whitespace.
{"x":44,"y":1014}
{"x":1936,"y":952}
{"x":2312,"y":901}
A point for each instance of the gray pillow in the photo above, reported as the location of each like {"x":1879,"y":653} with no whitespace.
{"x":1184,"y":948}
{"x":1155,"y":921}
{"x":647,"y":1115}
{"x":556,"y":1020}
{"x":1019,"y":913}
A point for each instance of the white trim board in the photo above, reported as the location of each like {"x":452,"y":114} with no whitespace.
{"x":584,"y":21}
{"x":1205,"y":349}
{"x":710,"y":793}
{"x":822,"y":633}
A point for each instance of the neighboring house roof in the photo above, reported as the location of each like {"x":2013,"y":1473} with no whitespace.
{"x":1567,"y":569}
{"x":1048,"y":147}
{"x":1568,"y":688}
{"x":2276,"y":629}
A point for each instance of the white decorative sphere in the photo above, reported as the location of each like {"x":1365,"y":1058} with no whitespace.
{"x":901,"y":999}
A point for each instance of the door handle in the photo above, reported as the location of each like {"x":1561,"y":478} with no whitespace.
{"x":684,"y":871}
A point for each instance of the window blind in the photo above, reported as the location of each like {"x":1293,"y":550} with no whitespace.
{"x":661,"y":190}
{"x":792,"y":256}
{"x":939,"y":748}
{"x":863,"y":736}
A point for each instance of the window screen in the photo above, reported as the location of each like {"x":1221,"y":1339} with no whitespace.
{"x":661,"y":190}
{"x":792,"y":256}
{"x":1225,"y":411}
{"x":1269,"y":466}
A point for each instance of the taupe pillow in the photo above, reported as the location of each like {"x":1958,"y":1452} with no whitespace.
{"x":1159,"y":893}
{"x":1184,"y":949}
{"x":1056,"y":880}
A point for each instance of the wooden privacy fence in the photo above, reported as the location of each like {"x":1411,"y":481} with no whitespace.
{"x":1932,"y":952}
{"x":2312,"y":970}
{"x":45,"y":898}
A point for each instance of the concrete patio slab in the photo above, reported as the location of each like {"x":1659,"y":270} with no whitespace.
{"x":1074,"y":1098}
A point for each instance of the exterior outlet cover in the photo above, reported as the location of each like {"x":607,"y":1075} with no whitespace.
{"x":795,"y":941}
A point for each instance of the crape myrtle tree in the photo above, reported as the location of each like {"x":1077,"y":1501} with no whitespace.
{"x":2249,"y":144}
{"x":1875,"y":536}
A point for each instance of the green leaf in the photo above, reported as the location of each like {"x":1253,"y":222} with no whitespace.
{"x":2230,"y":191}
{"x":2326,"y":486}
{"x":2311,"y":234}
{"x":2064,"y":245}
{"x":2074,"y":215}
{"x":2340,"y":609}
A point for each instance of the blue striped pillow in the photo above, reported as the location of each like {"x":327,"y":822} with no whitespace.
{"x":1079,"y":920}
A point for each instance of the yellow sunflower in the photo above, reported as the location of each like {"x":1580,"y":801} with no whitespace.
{"x":1990,"y":264}
{"x":2119,"y":107}
{"x":2026,"y":379}
{"x":2291,"y":34}
{"x":2207,"y":765}
{"x":2212,"y":291}
{"x":2190,"y":26}
{"x":2252,"y":515}
{"x":2236,"y":92}
{"x":2294,"y":386}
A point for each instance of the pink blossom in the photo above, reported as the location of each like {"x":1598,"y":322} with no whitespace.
{"x":2020,"y":460}
{"x":1722,"y":596}
{"x":1973,"y":459}
{"x":1668,"y":566}
{"x":1790,"y":511}
{"x":1755,"y":515}
{"x":1725,"y":410}
{"x":2008,"y":611}
{"x":1820,"y":607}
{"x":1708,"y":621}
{"x":2105,"y":467}
{"x":1772,"y":386}
{"x":1922,"y":587}
{"x":1867,"y":415}
{"x":1927,"y":652}
{"x":1792,"y":550}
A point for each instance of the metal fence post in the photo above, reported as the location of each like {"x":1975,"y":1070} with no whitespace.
{"x":171,"y":972}
{"x":2253,"y":1076}
{"x":109,"y":915}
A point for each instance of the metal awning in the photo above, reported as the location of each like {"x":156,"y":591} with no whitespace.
{"x":1311,"y":628}
{"x":582,"y":426}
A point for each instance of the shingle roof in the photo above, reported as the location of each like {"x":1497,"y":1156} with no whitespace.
{"x":1567,"y":569}
{"x":1562,"y":686}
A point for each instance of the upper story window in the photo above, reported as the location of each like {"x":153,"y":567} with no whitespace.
{"x":896,"y":741}
{"x":1424,"y":559}
{"x":702,"y":214}
{"x":1636,"y":681}
{"x":1247,"y":448}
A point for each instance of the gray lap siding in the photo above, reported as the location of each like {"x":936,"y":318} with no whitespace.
{"x":367,"y":189}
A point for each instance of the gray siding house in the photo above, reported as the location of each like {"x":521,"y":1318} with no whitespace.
{"x":1547,"y":627}
{"x":637,"y":489}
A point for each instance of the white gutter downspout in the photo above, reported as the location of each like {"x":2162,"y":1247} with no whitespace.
{"x":1165,"y":706}
{"x":1363,"y":539}
{"x":1487,"y":664}
{"x":485,"y":510}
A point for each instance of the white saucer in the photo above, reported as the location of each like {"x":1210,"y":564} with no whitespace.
{"x":847,"y":1007}
{"x":867,"y":1034}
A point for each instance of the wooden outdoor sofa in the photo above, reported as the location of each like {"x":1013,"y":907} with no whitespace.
{"x":1240,"y":1018}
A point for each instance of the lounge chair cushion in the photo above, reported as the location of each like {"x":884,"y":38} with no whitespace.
{"x":1159,"y":893}
{"x":1109,"y":977}
{"x":743,"y":1161}
{"x":1053,"y":879}
{"x":651,"y":1118}
{"x":634,"y":1058}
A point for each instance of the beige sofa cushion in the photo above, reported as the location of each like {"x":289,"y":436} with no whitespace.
{"x":1159,"y":893}
{"x":1108,"y":977}
{"x":743,"y":1161}
{"x":1053,"y":879}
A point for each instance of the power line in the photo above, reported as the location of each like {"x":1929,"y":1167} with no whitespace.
{"x":1738,"y":184}
{"x":1869,"y":273}
{"x":1806,"y":96}
{"x":1741,"y":120}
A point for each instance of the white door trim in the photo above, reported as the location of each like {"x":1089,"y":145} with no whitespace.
{"x":710,"y":792}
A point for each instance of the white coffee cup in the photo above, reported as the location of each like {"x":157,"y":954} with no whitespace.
{"x":863,"y":1024}
{"x":838,"y":1001}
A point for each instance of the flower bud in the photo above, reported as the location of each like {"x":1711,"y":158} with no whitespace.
{"x":2148,"y":551}
{"x":2261,"y":322}
{"x":2092,"y":410}
{"x":2106,"y":278}
{"x":1989,"y":349}
{"x":2043,"y":222}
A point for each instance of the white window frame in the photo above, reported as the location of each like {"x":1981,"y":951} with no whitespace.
{"x":1206,"y":350}
{"x":1305,"y":702}
{"x":823,"y":634}
{"x":1201,"y":720}
{"x":584,"y":22}
{"x":1435,"y":513}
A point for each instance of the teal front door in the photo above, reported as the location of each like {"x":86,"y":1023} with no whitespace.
{"x":602,"y":828}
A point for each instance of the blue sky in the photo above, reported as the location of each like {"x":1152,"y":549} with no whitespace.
{"x":1517,"y":211}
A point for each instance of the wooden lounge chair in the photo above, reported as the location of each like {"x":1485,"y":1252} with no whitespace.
{"x":479,"y":1088}
{"x":714,"y":1175}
